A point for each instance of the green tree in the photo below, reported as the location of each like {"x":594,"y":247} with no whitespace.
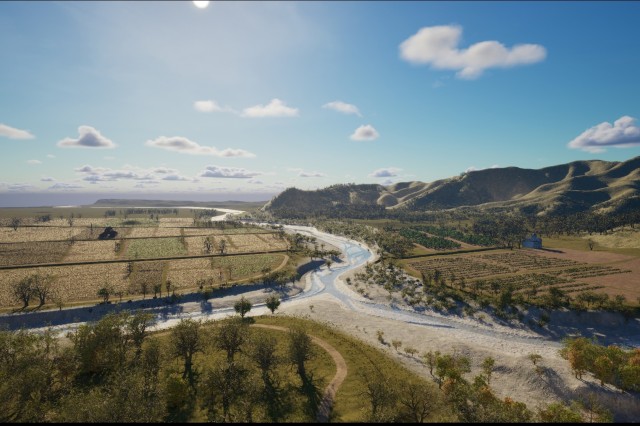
{"x":487,"y":367}
{"x":185,"y":343}
{"x":231,"y":336}
{"x":242,"y":306}
{"x":300,"y":351}
{"x":272,"y":302}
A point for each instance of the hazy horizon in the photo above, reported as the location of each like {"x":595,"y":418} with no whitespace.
{"x":48,"y":199}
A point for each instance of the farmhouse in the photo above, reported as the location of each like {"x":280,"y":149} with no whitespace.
{"x":108,"y":234}
{"x":532,"y":242}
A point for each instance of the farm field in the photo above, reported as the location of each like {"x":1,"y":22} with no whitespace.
{"x":571,"y":270}
{"x":60,"y":240}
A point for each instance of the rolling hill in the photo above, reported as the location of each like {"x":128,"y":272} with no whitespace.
{"x":596,"y":185}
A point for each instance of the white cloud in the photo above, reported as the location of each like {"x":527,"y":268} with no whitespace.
{"x":175,"y":177}
{"x":186,"y":146}
{"x":88,"y":138}
{"x":228,"y":172}
{"x":365,"y":133}
{"x":164,"y":170}
{"x":211,"y":106}
{"x":343,"y":107}
{"x":385,"y":172}
{"x":304,"y":174}
{"x":255,"y":181}
{"x":275,"y":108}
{"x":65,"y":186}
{"x":387,"y":182}
{"x":13,"y":133}
{"x":438,"y":47}
{"x":20,"y":187}
{"x":47,"y":179}
{"x":34,"y":162}
{"x":90,"y":169}
{"x":622,"y":134}
{"x":51,"y":156}
{"x":475,"y":169}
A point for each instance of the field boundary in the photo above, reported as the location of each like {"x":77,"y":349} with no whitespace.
{"x":98,"y":262}
{"x":447,"y":253}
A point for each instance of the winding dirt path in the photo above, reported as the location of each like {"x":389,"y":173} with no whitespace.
{"x":326,"y":404}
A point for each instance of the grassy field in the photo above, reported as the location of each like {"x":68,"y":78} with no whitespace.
{"x":351,"y":403}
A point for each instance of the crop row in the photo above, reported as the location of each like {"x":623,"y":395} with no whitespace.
{"x":437,"y":243}
{"x":474,"y":239}
{"x":591,"y":271}
{"x":520,"y":260}
{"x":462,"y":267}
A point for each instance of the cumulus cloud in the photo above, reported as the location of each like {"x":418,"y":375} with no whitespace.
{"x":175,"y":177}
{"x":343,"y":107}
{"x":275,"y":108}
{"x":20,"y":187}
{"x":65,"y":186}
{"x":228,"y":172}
{"x":365,"y":133}
{"x":438,"y":46}
{"x":304,"y":174}
{"x":90,"y":169}
{"x":622,"y":134}
{"x":13,"y":133}
{"x":34,"y":162}
{"x":385,"y":172}
{"x":210,"y":106}
{"x":186,"y":146}
{"x":475,"y":169}
{"x":88,"y":138}
{"x":47,"y":179}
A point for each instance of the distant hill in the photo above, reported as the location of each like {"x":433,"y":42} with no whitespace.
{"x":239,"y":205}
{"x":567,"y":188}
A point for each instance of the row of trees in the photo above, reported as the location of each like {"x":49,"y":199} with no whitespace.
{"x":609,"y":364}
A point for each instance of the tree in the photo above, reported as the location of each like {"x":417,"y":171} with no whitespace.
{"x":382,"y":393}
{"x":603,"y":369}
{"x":137,"y":327}
{"x":41,"y":286}
{"x":300,"y":351}
{"x":23,"y":290}
{"x":231,"y":336}
{"x":242,"y":306}
{"x":396,"y":344}
{"x":487,"y":367}
{"x":559,"y":413}
{"x":15,"y":223}
{"x":185,"y":343}
{"x":430,"y":358}
{"x":104,"y":292}
{"x":418,"y":400}
{"x":263,"y":354}
{"x":272,"y":302}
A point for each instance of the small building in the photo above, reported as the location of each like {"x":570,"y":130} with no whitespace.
{"x":533,"y":241}
{"x":108,"y":234}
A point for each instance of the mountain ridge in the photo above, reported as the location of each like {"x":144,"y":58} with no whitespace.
{"x":596,"y":185}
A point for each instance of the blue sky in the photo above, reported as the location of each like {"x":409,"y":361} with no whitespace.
{"x":244,"y":99}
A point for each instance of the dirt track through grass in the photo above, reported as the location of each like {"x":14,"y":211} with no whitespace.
{"x":326,"y":404}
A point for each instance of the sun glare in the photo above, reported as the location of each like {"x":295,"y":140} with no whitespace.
{"x":201,"y":4}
